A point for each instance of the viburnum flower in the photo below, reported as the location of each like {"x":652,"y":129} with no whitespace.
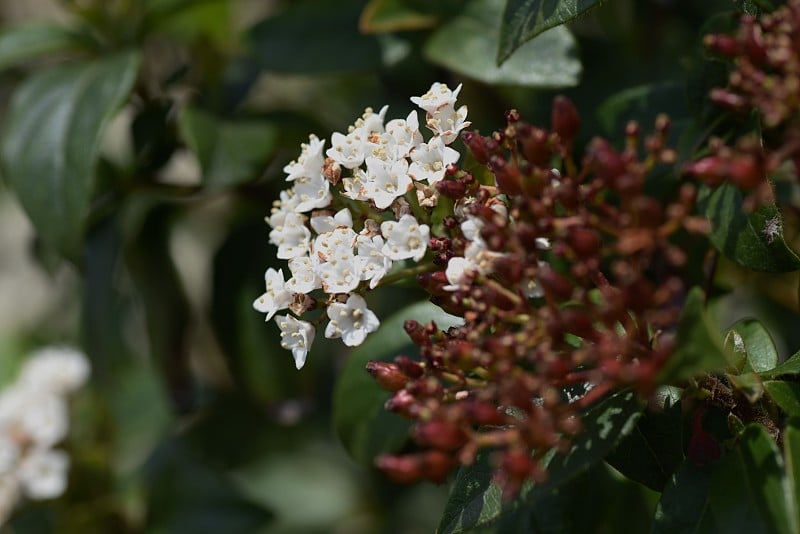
{"x":429,"y":160}
{"x":310,"y":160}
{"x":438,"y":95}
{"x":351,"y":321}
{"x":297,"y":336}
{"x":405,"y":238}
{"x":276,"y":297}
{"x":43,"y":473}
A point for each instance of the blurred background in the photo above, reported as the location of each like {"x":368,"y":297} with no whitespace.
{"x":196,"y":420}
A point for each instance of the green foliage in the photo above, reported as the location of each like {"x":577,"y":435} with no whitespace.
{"x":525,"y":19}
{"x":26,"y":43}
{"x":52,"y":133}
{"x":468,"y":43}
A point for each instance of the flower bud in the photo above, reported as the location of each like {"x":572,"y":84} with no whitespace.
{"x":722,"y":44}
{"x":745,"y":172}
{"x":555,"y":285}
{"x":484,"y":414}
{"x":585,"y":242}
{"x":452,"y":189}
{"x":536,"y":148}
{"x":477,"y":144}
{"x":433,"y":282}
{"x":508,"y":177}
{"x":565,"y":119}
{"x":388,"y":375}
{"x":728,"y":99}
{"x":416,"y":332}
{"x":711,"y":169}
{"x":440,"y":435}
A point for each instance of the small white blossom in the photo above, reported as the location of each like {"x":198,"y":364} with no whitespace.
{"x":348,"y":150}
{"x":430,"y":160}
{"x":371,"y":122}
{"x":43,"y":473}
{"x":291,"y":237}
{"x":304,"y":275}
{"x":310,"y":161}
{"x":329,"y":223}
{"x":438,"y":95}
{"x":314,"y":192}
{"x":405,"y":238}
{"x":447,"y":122}
{"x":459,"y":270}
{"x":405,"y":133}
{"x":285,"y":206}
{"x":372,"y":263}
{"x":297,"y":336}
{"x":355,"y":186}
{"x":276,"y":297}
{"x":387,"y":181}
{"x":60,"y":370}
{"x":338,"y":243}
{"x":351,"y":321}
{"x":341,"y":274}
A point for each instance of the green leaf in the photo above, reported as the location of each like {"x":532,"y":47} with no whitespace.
{"x":643,"y":104}
{"x":791,"y":455}
{"x":364,"y":426}
{"x":468,"y":44}
{"x":757,"y":345}
{"x":314,"y":37}
{"x":24,"y":43}
{"x":683,"y":506}
{"x":230,"y":152}
{"x":749,"y":384}
{"x":790,"y":367}
{"x":700,"y":345}
{"x":750,"y":491}
{"x":51,"y":137}
{"x":384,"y":16}
{"x":475,"y":501}
{"x":653,"y":451}
{"x":525,"y":19}
{"x":785,"y":394}
{"x":754,"y":241}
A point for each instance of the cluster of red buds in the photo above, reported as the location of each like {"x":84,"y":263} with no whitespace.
{"x":765,"y":77}
{"x":582,"y":295}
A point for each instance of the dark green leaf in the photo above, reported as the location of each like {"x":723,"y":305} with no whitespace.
{"x":785,"y":394}
{"x":468,"y":44}
{"x":791,"y":455}
{"x":652,"y":452}
{"x":684,"y":502}
{"x":754,"y":241}
{"x":757,"y":345}
{"x":749,"y":384}
{"x":362,"y":423}
{"x":643,"y":104}
{"x":700,"y":345}
{"x":314,"y":37}
{"x":51,"y":137}
{"x":754,"y":7}
{"x":230,"y":152}
{"x":525,"y":19}
{"x":789,"y":367}
{"x":749,"y":488}
{"x":381,"y":16}
{"x":475,"y":501}
{"x":24,"y":43}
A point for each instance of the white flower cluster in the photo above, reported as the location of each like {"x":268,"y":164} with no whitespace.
{"x":34,"y":418}
{"x":373,"y":167}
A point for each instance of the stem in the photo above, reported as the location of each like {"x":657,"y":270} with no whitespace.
{"x":406,"y":273}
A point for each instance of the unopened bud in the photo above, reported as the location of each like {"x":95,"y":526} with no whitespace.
{"x":477,"y":144}
{"x":722,"y":44}
{"x":728,"y":99}
{"x":440,"y":435}
{"x":508,"y":177}
{"x":387,"y":375}
{"x":565,"y":119}
{"x":452,"y":189}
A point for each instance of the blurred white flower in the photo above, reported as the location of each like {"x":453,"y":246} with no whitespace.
{"x":297,"y":336}
{"x":56,"y":369}
{"x":276,"y":297}
{"x":43,"y":473}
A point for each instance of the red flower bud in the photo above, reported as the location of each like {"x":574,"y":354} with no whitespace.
{"x":433,"y":282}
{"x":565,"y":119}
{"x":433,"y":466}
{"x":440,"y":435}
{"x":536,"y":148}
{"x":452,"y":189}
{"x":728,"y":99}
{"x":555,"y":285}
{"x":387,"y":375}
{"x":585,"y":242}
{"x":509,"y":179}
{"x":485,"y":414}
{"x":745,"y":172}
{"x":722,"y":44}
{"x":477,"y":144}
{"x":703,"y":447}
{"x":711,"y":169}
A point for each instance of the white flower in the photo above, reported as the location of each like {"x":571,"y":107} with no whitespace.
{"x":44,"y":418}
{"x":348,"y":150}
{"x":351,"y":321}
{"x":355,"y":187}
{"x":438,"y":95}
{"x":276,"y":296}
{"x":430,"y":160}
{"x":459,"y":270}
{"x":447,"y":122}
{"x":340,"y":274}
{"x":286,"y":205}
{"x":405,"y":238}
{"x":386,"y":181}
{"x":43,"y":473}
{"x":304,"y":275}
{"x":338,"y":243}
{"x":371,"y":122}
{"x":9,"y":454}
{"x":314,"y":192}
{"x":56,"y":369}
{"x":372,"y":263}
{"x":310,"y":161}
{"x":291,"y":236}
{"x":296,"y":336}
{"x":329,"y":223}
{"x":405,"y":133}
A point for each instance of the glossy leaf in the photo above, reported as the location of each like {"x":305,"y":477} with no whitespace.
{"x":525,"y":19}
{"x":643,"y":104}
{"x":382,"y":16}
{"x":757,"y":345}
{"x":700,"y":345}
{"x":315,"y":37}
{"x":24,"y":43}
{"x":785,"y":394}
{"x":684,"y":501}
{"x":51,"y":137}
{"x":468,"y":44}
{"x":361,"y":421}
{"x":475,"y":501}
{"x":750,"y":491}
{"x":754,"y":241}
{"x":230,"y":152}
{"x":790,"y":367}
